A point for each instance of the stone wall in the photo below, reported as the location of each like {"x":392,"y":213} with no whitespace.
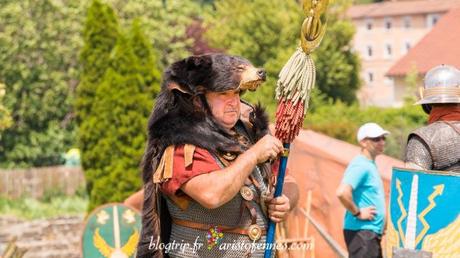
{"x":50,"y":238}
{"x":35,"y":182}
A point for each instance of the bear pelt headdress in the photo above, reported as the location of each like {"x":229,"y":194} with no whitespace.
{"x":182,"y":116}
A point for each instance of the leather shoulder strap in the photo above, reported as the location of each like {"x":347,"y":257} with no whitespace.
{"x":164,"y":170}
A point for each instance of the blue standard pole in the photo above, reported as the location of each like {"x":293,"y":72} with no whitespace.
{"x":278,"y":191}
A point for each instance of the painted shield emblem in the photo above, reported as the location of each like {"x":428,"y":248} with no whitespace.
{"x":424,"y":213}
{"x":111,"y":231}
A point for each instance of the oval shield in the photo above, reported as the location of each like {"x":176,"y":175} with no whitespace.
{"x":424,"y":218}
{"x":111,"y":231}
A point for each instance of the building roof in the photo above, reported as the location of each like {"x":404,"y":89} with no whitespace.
{"x":439,"y":46}
{"x":390,"y":8}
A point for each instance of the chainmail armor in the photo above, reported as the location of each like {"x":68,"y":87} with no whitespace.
{"x":435,"y":147}
{"x":226,"y":215}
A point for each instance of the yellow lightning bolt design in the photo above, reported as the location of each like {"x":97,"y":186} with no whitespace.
{"x":438,"y":189}
{"x":403,"y":211}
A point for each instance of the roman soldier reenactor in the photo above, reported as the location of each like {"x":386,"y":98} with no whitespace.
{"x":207,"y":167}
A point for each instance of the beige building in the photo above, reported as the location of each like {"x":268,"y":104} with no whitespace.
{"x":439,"y":46}
{"x":385,"y":32}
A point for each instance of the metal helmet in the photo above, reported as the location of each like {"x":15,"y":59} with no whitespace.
{"x":441,"y":85}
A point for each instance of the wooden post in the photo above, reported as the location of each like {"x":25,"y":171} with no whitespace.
{"x":307,"y":223}
{"x":12,"y":251}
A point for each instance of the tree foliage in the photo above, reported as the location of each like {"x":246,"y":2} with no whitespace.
{"x":38,"y":42}
{"x":337,"y":65}
{"x":100,"y":35}
{"x":113,"y":131}
{"x":5,"y":118}
{"x":410,"y":81}
{"x":267,"y":33}
{"x":263,"y":31}
{"x":164,"y":23}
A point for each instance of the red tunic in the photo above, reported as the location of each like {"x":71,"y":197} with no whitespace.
{"x":203,"y":162}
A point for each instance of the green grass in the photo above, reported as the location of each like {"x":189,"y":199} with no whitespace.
{"x":28,"y":208}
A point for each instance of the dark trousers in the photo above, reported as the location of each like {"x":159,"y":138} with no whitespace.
{"x":363,"y":244}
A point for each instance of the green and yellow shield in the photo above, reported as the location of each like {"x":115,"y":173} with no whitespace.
{"x":111,"y":231}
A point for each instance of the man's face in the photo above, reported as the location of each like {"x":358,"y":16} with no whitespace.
{"x":375,"y":146}
{"x":225,"y":106}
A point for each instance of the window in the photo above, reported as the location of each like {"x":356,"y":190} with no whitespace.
{"x":369,"y":24}
{"x":369,"y":78}
{"x":406,"y":46}
{"x":431,"y":20}
{"x":387,"y":51}
{"x":387,"y":23}
{"x":406,"y":22}
{"x":369,"y":51}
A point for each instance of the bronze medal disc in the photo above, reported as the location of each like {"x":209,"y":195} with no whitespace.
{"x":254,"y":232}
{"x":247,"y":193}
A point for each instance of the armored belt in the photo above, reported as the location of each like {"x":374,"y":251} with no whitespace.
{"x":254,"y":231}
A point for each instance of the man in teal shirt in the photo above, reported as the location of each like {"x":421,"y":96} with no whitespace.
{"x":361,"y":192}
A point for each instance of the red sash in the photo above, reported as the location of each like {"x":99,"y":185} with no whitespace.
{"x":444,"y":113}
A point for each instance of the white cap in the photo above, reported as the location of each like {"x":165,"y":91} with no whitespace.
{"x":370,"y":130}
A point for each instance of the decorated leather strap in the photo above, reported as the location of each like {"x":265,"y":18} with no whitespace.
{"x":254,"y":230}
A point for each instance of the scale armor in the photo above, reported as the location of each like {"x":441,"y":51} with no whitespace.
{"x":435,"y":147}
